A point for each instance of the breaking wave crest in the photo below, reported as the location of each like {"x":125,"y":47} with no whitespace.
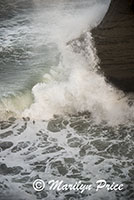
{"x":84,"y":89}
{"x":75,"y":85}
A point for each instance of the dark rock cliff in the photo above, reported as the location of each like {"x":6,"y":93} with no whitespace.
{"x":114,"y":40}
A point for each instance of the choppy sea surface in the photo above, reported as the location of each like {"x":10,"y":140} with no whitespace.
{"x":59,"y":118}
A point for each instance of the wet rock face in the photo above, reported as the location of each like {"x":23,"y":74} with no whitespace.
{"x":114,"y":41}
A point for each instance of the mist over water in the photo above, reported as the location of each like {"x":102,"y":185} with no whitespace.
{"x":34,"y":45}
{"x":47,"y":69}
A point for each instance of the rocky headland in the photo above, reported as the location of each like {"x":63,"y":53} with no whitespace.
{"x":114,"y":41}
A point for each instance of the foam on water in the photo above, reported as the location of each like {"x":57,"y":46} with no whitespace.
{"x":74,"y":150}
{"x":82,"y":90}
{"x":74,"y":85}
{"x":69,"y":148}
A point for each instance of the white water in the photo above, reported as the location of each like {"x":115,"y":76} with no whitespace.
{"x":74,"y":85}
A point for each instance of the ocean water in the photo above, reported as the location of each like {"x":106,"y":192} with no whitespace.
{"x":59,"y":118}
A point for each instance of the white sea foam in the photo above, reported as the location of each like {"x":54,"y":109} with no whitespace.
{"x":83,"y":89}
{"x":74,"y":85}
{"x":49,"y":149}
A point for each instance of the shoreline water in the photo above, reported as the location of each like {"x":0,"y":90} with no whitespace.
{"x":73,"y":145}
